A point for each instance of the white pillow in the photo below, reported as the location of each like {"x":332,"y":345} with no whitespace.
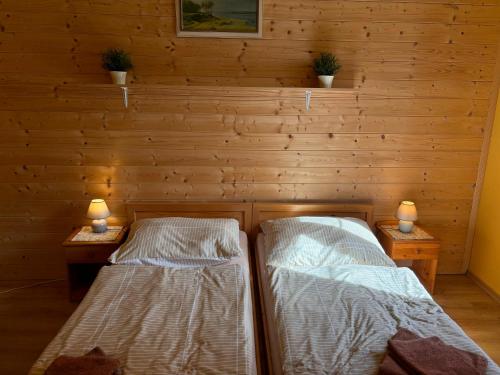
{"x":321,"y":241}
{"x":180,"y":241}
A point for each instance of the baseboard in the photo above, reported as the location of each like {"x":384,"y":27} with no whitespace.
{"x":484,"y":287}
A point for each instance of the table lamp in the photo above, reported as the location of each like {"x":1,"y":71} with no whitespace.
{"x":407,"y":214}
{"x":98,"y":212}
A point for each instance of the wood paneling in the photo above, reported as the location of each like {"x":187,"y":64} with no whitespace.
{"x":213,"y":119}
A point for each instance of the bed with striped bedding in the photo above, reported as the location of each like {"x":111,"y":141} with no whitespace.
{"x":337,"y":319}
{"x":159,"y":320}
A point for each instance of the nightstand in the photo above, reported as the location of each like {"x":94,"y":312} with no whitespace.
{"x":86,"y":253}
{"x":417,"y":246}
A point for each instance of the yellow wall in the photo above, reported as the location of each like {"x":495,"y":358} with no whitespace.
{"x":485,"y":261}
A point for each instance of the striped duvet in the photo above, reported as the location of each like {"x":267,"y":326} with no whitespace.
{"x":164,"y":321}
{"x":337,"y":319}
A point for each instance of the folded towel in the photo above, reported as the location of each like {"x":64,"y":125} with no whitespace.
{"x":408,"y":353}
{"x":390,"y":367}
{"x":94,"y":362}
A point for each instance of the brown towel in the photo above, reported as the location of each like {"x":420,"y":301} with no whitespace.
{"x":408,"y":353}
{"x":94,"y":362}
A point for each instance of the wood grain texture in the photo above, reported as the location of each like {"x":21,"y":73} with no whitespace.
{"x":213,"y":119}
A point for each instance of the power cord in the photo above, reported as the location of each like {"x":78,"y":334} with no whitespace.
{"x":30,"y":285}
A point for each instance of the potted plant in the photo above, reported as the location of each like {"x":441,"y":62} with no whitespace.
{"x":118,"y":62}
{"x":326,"y":66}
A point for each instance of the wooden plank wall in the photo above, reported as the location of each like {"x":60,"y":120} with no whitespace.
{"x":408,"y":125}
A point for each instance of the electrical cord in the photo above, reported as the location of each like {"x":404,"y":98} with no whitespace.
{"x":30,"y":285}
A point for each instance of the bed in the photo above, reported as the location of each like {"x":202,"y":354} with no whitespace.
{"x":336,"y":318}
{"x":169,"y":320}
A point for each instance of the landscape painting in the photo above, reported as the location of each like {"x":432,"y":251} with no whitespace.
{"x":219,"y":18}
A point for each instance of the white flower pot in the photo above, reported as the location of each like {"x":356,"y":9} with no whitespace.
{"x":119,"y":78}
{"x":325,"y":81}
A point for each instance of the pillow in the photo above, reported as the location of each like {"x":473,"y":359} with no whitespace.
{"x":321,"y":241}
{"x":180,"y":241}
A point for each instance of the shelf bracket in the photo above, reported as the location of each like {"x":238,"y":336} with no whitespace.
{"x":125,"y":96}
{"x":308,"y":100}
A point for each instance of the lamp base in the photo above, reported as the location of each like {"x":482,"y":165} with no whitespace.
{"x":99,"y":226}
{"x":405,"y":226}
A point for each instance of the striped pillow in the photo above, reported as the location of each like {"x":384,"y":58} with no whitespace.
{"x":180,"y":242}
{"x":321,"y":241}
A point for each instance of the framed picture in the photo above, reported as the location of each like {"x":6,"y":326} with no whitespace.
{"x":219,"y":18}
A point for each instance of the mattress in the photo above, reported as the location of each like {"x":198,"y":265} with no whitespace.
{"x":159,"y":320}
{"x":338,"y":319}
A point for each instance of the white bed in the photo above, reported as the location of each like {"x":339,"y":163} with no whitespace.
{"x":337,"y":319}
{"x":164,"y":320}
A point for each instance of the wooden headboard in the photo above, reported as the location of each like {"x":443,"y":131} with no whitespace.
{"x":268,"y":211}
{"x":239,"y":211}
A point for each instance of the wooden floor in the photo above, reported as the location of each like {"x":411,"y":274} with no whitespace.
{"x":474,"y":310}
{"x":30,"y":317}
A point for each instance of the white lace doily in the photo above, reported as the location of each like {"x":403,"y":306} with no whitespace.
{"x":86,"y":234}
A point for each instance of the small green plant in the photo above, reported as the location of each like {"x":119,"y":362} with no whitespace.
{"x":326,"y":64}
{"x":116,"y":59}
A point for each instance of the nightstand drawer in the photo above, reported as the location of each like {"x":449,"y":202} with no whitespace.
{"x":89,"y":254}
{"x":408,"y":251}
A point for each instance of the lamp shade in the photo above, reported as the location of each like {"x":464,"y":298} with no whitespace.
{"x":98,"y":209}
{"x":407,"y":211}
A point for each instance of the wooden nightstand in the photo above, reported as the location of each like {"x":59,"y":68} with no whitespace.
{"x":85,"y":254}
{"x":418,"y":246}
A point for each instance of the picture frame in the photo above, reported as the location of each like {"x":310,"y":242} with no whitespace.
{"x":219,"y":18}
